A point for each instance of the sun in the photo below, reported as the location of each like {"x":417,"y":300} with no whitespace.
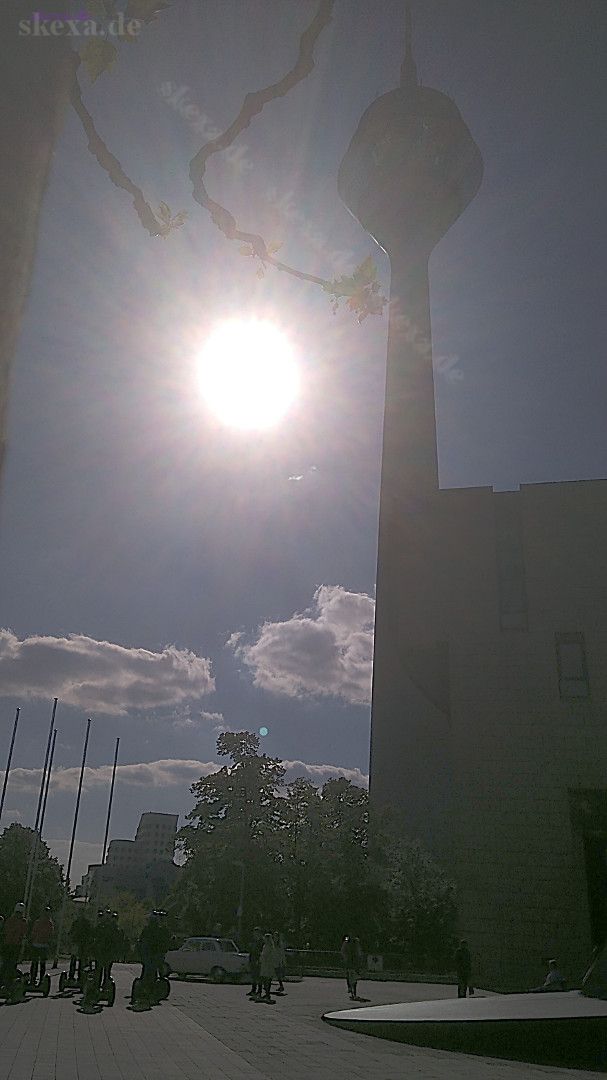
{"x":248,"y":375}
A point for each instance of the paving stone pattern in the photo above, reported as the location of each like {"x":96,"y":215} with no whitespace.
{"x":206,"y":1032}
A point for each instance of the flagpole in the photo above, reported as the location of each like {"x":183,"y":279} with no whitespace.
{"x":46,"y":757}
{"x":39,"y":833}
{"x":48,"y":781}
{"x":71,"y":851}
{"x":109,"y":808}
{"x":34,"y":848}
{"x":8,"y":762}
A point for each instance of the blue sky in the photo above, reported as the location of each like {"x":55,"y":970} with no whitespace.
{"x":164,"y":574}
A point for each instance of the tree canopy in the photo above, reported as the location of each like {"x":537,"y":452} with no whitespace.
{"x":15,"y":847}
{"x":309,"y":860}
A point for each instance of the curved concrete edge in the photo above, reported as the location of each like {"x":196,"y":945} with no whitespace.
{"x":577,"y":1042}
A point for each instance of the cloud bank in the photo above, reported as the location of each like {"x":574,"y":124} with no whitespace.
{"x":99,"y":676}
{"x":168,"y":772}
{"x":326,"y":650}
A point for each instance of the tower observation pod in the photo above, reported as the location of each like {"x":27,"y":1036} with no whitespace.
{"x":411,"y":169}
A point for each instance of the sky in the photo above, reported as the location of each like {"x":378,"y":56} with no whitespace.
{"x":172,"y":577}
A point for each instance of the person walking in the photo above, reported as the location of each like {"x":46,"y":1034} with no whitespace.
{"x":41,"y":936}
{"x":463,"y":967}
{"x":351,"y":954}
{"x":267,"y":968}
{"x":255,"y":948}
{"x":280,"y":957}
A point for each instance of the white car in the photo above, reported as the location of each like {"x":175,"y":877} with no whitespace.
{"x":217,"y":957}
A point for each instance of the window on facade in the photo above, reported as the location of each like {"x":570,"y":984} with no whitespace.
{"x":572,"y":668}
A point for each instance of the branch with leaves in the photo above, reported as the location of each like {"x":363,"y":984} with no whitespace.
{"x":360,"y":290}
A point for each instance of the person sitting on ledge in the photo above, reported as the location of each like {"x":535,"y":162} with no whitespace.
{"x":553,"y":981}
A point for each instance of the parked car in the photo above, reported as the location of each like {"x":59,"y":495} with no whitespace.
{"x":217,"y":957}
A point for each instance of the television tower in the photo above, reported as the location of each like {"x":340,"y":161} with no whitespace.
{"x":488,"y":738}
{"x":411,"y":169}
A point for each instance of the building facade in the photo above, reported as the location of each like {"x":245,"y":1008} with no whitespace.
{"x":143,"y":866}
{"x":489,"y":713}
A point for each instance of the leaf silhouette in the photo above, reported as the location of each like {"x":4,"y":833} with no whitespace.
{"x":167,"y":221}
{"x":98,"y":55}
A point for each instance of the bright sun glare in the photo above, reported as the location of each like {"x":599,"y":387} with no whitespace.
{"x":248,"y":374}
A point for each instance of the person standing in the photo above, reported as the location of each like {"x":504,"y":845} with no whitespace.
{"x":115,"y":940}
{"x":463,"y":967}
{"x":267,"y":967}
{"x":102,"y":948}
{"x":14,"y":933}
{"x":351,"y":954}
{"x":254,"y":960}
{"x":81,"y":935}
{"x":280,"y":958}
{"x":42,"y":933}
{"x":153,"y":944}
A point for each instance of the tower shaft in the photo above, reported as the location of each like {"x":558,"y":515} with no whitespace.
{"x":409,"y":441}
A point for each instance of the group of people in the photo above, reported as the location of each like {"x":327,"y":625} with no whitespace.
{"x":96,"y":946}
{"x":267,"y":961}
{"x":13,"y":935}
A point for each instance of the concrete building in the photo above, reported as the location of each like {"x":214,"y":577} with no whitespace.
{"x":143,"y":866}
{"x":489,"y":732}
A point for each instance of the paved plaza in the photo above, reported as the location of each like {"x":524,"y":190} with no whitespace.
{"x":207,"y":1032}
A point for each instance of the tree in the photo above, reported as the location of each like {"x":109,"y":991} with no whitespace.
{"x":420,"y":905}
{"x":342,"y":884}
{"x":15,"y":847}
{"x":300,"y":817}
{"x":235,"y":819}
{"x":132,"y":915}
{"x":315,"y":865}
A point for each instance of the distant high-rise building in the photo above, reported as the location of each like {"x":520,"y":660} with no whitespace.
{"x":489,"y":715}
{"x":143,"y":866}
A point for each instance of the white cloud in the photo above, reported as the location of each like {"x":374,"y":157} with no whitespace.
{"x":319,"y":774}
{"x":167,"y":772}
{"x":152,"y":774}
{"x":183,"y":718}
{"x":326,"y":650}
{"x":100,"y":676}
{"x":212,"y":718}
